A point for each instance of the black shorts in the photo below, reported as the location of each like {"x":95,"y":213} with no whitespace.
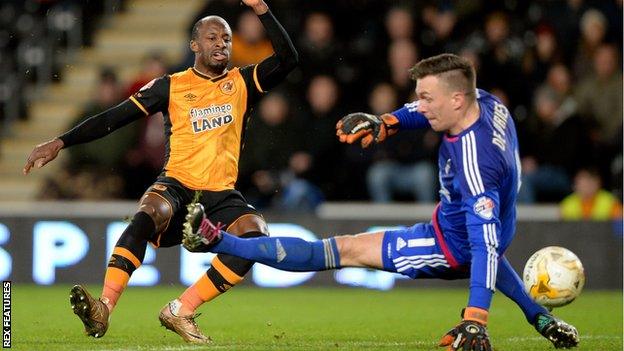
{"x":221,"y":206}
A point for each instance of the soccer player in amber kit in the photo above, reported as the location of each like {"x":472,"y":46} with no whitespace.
{"x":205,"y":108}
{"x":473,"y":225}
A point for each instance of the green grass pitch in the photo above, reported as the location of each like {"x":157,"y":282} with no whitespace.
{"x":302,"y":319}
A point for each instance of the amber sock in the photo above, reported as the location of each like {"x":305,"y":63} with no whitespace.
{"x":217,"y":280}
{"x":120,"y":267}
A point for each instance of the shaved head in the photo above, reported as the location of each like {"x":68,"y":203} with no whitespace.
{"x":208,"y":19}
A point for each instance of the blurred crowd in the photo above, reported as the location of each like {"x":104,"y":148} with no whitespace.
{"x":556,"y":64}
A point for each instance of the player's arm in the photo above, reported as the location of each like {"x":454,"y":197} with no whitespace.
{"x":369,"y":128}
{"x":484,"y":236}
{"x":93,"y":128}
{"x":148,"y":100}
{"x":272,"y":70}
{"x":481,"y":207}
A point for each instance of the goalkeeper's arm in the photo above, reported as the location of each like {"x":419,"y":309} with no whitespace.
{"x":366,"y":128}
{"x":370,"y":128}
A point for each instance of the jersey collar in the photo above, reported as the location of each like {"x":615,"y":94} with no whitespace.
{"x":212,"y":79}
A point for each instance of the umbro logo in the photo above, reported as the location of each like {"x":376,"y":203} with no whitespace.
{"x":190,"y":97}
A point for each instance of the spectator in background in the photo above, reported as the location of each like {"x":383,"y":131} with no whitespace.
{"x":589,"y":201}
{"x":501,"y":54}
{"x":600,"y":94}
{"x":538,"y":59}
{"x":560,"y":79}
{"x":320,"y":50}
{"x":437,"y":35}
{"x":320,"y":146}
{"x":593,"y":31}
{"x":549,"y":159}
{"x":402,"y":55}
{"x":250,"y":40}
{"x":399,"y":23}
{"x":153,"y":66}
{"x":402,"y":167}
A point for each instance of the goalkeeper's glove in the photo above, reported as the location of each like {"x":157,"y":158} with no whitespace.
{"x":469,"y":335}
{"x":366,"y":127}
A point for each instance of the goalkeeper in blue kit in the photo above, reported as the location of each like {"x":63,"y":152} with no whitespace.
{"x":471,"y":228}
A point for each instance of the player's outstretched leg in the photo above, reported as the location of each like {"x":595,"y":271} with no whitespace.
{"x":185,"y":326}
{"x":290,"y":254}
{"x":560,"y":333}
{"x":93,"y":313}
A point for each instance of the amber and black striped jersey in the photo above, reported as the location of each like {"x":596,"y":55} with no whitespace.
{"x":204,"y":117}
{"x":204,"y":123}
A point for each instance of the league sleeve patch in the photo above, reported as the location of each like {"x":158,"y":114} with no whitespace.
{"x":484,"y":207}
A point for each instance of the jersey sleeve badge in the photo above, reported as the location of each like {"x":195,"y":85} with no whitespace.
{"x":484,"y":207}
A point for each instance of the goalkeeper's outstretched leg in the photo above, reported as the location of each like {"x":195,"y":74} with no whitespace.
{"x":560,"y":333}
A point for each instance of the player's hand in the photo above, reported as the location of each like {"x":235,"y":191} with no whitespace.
{"x":42,"y":154}
{"x":366,"y":128}
{"x":259,"y":6}
{"x":469,"y":335}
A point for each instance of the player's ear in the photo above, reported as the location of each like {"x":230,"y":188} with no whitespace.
{"x":457,"y":100}
{"x":193,"y":45}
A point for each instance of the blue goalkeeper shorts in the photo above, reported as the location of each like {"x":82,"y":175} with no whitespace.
{"x":416,"y":252}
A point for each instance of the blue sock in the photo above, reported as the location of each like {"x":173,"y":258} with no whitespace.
{"x":289,"y":254}
{"x":508,"y":282}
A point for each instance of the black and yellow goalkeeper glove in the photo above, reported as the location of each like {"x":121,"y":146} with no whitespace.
{"x":366,"y":127}
{"x":469,"y":335}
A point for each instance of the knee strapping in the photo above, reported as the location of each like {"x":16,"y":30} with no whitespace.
{"x":158,"y":208}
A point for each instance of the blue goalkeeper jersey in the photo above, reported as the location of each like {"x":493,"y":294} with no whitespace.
{"x":479,"y":174}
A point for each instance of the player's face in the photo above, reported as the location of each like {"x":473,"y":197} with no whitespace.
{"x":213,"y":45}
{"x":434,"y":101}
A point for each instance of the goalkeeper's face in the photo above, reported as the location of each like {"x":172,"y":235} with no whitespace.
{"x":213,"y":45}
{"x":438,"y":103}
